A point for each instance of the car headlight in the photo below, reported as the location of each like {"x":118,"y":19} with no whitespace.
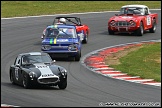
{"x":32,"y":75}
{"x":112,"y":23}
{"x":63,"y":72}
{"x":132,"y":23}
{"x":73,"y":47}
{"x":46,"y":47}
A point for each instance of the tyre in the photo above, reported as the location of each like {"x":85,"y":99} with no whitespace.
{"x":77,"y":57}
{"x":140,"y":30}
{"x":26,"y":82}
{"x":12,"y":78}
{"x":86,"y":38}
{"x":153,"y":29}
{"x":110,"y":32}
{"x":62,"y":84}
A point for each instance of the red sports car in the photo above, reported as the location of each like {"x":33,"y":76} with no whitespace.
{"x":133,"y":19}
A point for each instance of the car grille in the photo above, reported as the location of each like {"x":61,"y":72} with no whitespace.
{"x":48,"y":80}
{"x":122,"y":23}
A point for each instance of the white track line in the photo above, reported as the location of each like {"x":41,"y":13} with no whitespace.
{"x":140,"y":80}
{"x":109,"y":71}
{"x":112,"y":75}
{"x":155,"y":84}
{"x":102,"y":69}
{"x":127,"y":77}
{"x":6,"y":105}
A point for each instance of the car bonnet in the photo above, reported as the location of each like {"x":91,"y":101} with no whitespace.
{"x":42,"y":69}
{"x":125,"y":18}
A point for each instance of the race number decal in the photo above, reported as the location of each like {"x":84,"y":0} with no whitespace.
{"x":16,"y":74}
{"x":148,"y":20}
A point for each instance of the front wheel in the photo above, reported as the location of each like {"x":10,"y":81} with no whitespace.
{"x":62,"y":84}
{"x":140,"y":30}
{"x":110,"y":32}
{"x":78,"y":55}
{"x":26,"y":82}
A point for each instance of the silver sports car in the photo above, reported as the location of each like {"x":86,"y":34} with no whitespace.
{"x":37,"y":68}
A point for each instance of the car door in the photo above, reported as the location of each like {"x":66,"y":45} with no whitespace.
{"x":148,"y":19}
{"x":17,"y":69}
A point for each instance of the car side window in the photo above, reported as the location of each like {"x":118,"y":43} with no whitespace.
{"x":136,"y":12}
{"x":17,"y":61}
{"x":146,"y":11}
{"x":141,"y":11}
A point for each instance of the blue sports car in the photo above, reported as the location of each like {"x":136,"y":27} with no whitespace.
{"x":62,"y":41}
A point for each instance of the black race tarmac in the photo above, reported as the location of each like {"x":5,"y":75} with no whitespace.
{"x":85,"y":88}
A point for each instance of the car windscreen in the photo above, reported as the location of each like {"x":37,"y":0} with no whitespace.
{"x":60,"y":33}
{"x":36,"y":59}
{"x":132,"y":10}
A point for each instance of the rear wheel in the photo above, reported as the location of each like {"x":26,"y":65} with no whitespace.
{"x":12,"y":78}
{"x":153,"y":29}
{"x":86,"y":38}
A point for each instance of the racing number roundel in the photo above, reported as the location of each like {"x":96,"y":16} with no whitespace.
{"x":148,"y":20}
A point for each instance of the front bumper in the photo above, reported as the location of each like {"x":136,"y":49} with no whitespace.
{"x":48,"y":80}
{"x":123,"y":29}
{"x":62,"y":53}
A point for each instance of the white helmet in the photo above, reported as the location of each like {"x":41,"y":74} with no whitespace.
{"x":62,"y":20}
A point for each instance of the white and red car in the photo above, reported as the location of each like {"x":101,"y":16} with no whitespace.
{"x":133,"y":19}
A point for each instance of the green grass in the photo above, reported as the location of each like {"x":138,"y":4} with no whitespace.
{"x":145,"y":62}
{"x":32,"y":8}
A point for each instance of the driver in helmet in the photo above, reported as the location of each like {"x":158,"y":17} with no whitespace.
{"x":25,"y":60}
{"x":62,"y":21}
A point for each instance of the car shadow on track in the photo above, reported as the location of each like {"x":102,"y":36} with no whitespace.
{"x":122,"y":34}
{"x":38,"y":87}
{"x":44,"y":87}
{"x":12,"y":86}
{"x":69,"y":59}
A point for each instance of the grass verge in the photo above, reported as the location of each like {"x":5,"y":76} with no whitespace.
{"x":144,"y":62}
{"x":32,"y":8}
